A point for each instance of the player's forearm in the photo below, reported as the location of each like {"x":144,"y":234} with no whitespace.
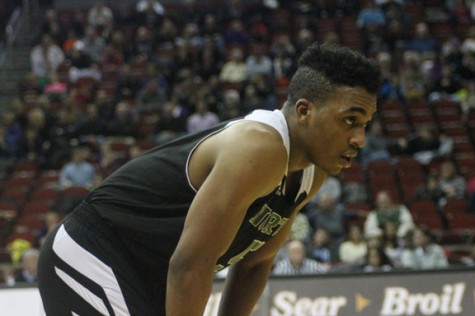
{"x":188,"y":290}
{"x":244,"y":287}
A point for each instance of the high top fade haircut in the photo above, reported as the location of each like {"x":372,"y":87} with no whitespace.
{"x":322,"y":68}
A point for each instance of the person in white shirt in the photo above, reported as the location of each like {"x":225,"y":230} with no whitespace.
{"x":202,"y":119}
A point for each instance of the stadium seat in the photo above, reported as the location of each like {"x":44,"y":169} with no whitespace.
{"x":456,"y":206}
{"x":459,"y":221}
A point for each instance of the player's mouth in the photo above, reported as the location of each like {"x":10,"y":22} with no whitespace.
{"x":345,"y":160}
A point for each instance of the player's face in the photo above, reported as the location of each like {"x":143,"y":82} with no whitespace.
{"x":336,"y":131}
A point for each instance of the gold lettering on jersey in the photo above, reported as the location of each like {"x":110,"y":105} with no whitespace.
{"x":267,"y":221}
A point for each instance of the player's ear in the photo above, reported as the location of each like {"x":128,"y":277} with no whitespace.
{"x":302,"y":110}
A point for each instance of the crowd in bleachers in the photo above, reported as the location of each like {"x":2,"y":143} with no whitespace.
{"x":108,"y":83}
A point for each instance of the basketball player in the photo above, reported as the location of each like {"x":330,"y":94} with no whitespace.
{"x":149,"y":239}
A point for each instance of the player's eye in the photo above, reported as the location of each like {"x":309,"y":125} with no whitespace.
{"x":351,"y":120}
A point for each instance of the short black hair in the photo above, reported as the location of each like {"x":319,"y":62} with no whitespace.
{"x":322,"y":68}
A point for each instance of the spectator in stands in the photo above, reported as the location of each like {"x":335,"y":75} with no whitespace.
{"x":78,"y":172}
{"x":210,"y":58}
{"x":94,"y":45}
{"x":46,"y":57}
{"x":101,"y":18}
{"x":430,"y":190}
{"x":150,"y":11}
{"x":425,"y":253}
{"x":297,"y":263}
{"x":82,"y":64}
{"x":28,"y":266}
{"x":143,"y":47}
{"x":172,"y":121}
{"x":124,"y":121}
{"x":11,"y":137}
{"x":370,"y":15}
{"x":51,"y":220}
{"x":387,"y":211}
{"x":451,"y":183}
{"x":332,"y":187}
{"x":257,"y":63}
{"x":251,"y":100}
{"x":377,"y":261}
{"x":377,"y":145}
{"x":447,"y":86}
{"x":354,"y":248}
{"x":392,"y":244}
{"x":151,"y":98}
{"x":328,"y":214}
{"x":202,"y":119}
{"x":52,"y":27}
{"x":301,"y":229}
{"x":424,"y":145}
{"x":234,"y":70}
{"x":321,"y":247}
{"x":236,"y":35}
{"x":424,"y":42}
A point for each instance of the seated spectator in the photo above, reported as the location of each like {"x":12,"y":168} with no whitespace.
{"x":297,"y":263}
{"x":202,"y":119}
{"x":321,"y":247}
{"x":392,"y":244}
{"x":234,"y":70}
{"x":446,"y":86}
{"x":300,"y":229}
{"x":331,"y":186}
{"x":51,"y":220}
{"x":101,"y":18}
{"x":424,"y":42}
{"x":328,"y":214}
{"x":172,"y":122}
{"x":82,"y":64}
{"x":78,"y":172}
{"x":46,"y":57}
{"x":430,"y":190}
{"x":370,"y":15}
{"x":354,"y":248}
{"x":424,"y":145}
{"x":150,"y":11}
{"x":236,"y":34}
{"x":94,"y":45}
{"x":386,"y":211}
{"x":377,"y":145}
{"x":376,"y":261}
{"x":451,"y":183}
{"x":425,"y":254}
{"x":257,"y":63}
{"x":28,"y":266}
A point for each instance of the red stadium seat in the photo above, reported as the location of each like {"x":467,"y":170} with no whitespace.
{"x":456,"y":206}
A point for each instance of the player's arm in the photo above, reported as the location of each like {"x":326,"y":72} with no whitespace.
{"x":245,"y":166}
{"x":247,"y":278}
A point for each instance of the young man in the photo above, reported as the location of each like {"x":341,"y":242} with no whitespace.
{"x":148,"y":240}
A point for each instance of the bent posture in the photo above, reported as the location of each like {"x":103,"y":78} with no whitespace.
{"x":148,"y":240}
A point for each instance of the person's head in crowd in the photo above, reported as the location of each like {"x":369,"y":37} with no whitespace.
{"x":305,"y":38}
{"x":421,"y":30}
{"x":355,"y":234}
{"x":29,"y":263}
{"x":296,"y":252}
{"x":384,"y":200}
{"x":422,"y":237}
{"x":377,"y":260}
{"x":448,"y":170}
{"x":80,"y":153}
{"x":36,"y":118}
{"x":321,"y":237}
{"x":374,"y":242}
{"x":326,"y":202}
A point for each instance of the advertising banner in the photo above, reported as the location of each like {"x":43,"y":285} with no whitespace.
{"x":421,"y":293}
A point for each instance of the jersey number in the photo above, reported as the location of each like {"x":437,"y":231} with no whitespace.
{"x":256,"y":244}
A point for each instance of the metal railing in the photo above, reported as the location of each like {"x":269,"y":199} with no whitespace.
{"x":19,"y":19}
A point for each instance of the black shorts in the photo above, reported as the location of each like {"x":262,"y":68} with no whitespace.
{"x":84,"y":269}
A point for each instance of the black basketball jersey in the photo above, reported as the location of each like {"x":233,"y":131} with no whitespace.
{"x":146,"y":201}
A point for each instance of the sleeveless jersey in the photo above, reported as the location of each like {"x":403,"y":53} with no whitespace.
{"x":146,"y":201}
